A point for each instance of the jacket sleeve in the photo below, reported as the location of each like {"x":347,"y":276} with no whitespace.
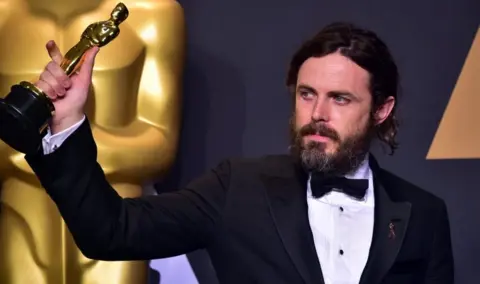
{"x":106,"y":226}
{"x":441,"y":264}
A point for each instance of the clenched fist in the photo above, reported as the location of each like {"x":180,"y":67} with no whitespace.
{"x":68,"y":94}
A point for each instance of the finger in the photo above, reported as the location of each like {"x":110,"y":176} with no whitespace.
{"x":54,"y":52}
{"x":47,"y":89}
{"x":86,"y":70}
{"x":50,"y":79}
{"x":59,"y":74}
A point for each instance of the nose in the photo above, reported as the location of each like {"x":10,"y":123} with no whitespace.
{"x":320,"y":111}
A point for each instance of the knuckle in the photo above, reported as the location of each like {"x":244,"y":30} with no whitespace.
{"x":51,"y":65}
{"x":57,"y":87}
{"x":48,"y":91}
{"x":48,"y":78}
{"x":65,"y":78}
{"x":41,"y":85}
{"x":55,"y":69}
{"x":67,"y":82}
{"x":60,"y":90}
{"x":43,"y":76}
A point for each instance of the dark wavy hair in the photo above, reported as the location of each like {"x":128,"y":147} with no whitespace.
{"x":367,"y":50}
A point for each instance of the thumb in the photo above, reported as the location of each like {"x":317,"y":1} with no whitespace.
{"x":86,"y":69}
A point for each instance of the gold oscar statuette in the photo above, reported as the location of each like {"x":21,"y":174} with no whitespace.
{"x":24,"y":114}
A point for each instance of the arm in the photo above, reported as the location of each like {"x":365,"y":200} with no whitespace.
{"x":441,"y":264}
{"x":108,"y":227}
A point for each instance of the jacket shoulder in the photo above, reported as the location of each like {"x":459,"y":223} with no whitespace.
{"x":270,"y":165}
{"x":259,"y":164}
{"x":400,"y":189}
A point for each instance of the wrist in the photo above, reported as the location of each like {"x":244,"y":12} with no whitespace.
{"x":59,"y":125}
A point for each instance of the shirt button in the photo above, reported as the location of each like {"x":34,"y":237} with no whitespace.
{"x":341,"y":209}
{"x":341,"y":252}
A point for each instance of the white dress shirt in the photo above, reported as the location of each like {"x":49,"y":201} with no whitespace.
{"x":342,"y":230}
{"x":52,"y":142}
{"x":342,"y":227}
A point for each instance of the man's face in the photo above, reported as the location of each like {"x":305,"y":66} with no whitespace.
{"x":333,"y":123}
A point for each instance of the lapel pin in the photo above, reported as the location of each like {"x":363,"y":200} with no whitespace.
{"x":391,"y":233}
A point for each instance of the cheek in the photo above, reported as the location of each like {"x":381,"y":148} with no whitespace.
{"x":362,"y":123}
{"x":349,"y":122}
{"x":302,"y":116}
{"x":353,"y":128}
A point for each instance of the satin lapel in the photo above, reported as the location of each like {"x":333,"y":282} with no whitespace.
{"x":288,"y":205}
{"x":391,"y":222}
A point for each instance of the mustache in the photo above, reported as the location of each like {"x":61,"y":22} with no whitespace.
{"x":319,"y":129}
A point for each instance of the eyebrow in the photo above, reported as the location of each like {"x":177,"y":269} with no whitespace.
{"x":303,"y":87}
{"x":307,"y":88}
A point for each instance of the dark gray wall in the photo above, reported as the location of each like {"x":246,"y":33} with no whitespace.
{"x":236,"y":104}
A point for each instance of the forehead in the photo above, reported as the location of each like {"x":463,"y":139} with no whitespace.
{"x":334,"y":72}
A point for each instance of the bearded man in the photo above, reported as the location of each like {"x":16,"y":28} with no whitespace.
{"x":325,"y":213}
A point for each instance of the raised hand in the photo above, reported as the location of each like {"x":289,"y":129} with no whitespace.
{"x":68,"y":94}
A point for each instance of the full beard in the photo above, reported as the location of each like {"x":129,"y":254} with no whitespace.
{"x":313,"y":156}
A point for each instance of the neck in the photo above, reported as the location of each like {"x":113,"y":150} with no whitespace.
{"x":361,"y":171}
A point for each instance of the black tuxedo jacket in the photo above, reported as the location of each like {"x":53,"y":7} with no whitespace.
{"x":249,"y":214}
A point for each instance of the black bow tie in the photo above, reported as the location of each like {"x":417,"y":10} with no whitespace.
{"x":321,"y":185}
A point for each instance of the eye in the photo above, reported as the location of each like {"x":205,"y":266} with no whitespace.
{"x":305,"y":95}
{"x":342,"y":100}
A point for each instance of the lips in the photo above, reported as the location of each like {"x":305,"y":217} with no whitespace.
{"x":318,"y":137}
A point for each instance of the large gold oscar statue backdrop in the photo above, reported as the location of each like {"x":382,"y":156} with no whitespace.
{"x":135,"y":113}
